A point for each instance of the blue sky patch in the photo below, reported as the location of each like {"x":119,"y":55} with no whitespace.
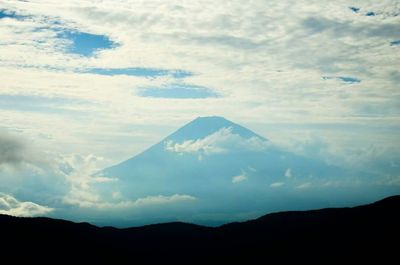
{"x":370,"y":14}
{"x":349,"y":80}
{"x":86,"y":44}
{"x":138,"y":71}
{"x":182,"y":91}
{"x":354,"y":9}
{"x":344,"y":79}
{"x":9,"y":14}
{"x":394,"y":43}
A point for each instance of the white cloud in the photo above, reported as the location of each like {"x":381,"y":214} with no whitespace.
{"x":252,"y":169}
{"x":305,"y":185}
{"x":158,"y":200}
{"x":351,"y":146}
{"x":389,"y":181}
{"x":221,"y":141}
{"x":288,"y":173}
{"x":116,"y":195}
{"x":11,"y":206}
{"x":239,"y":178}
{"x":277,"y":184}
{"x":81,"y":180}
{"x":76,"y":186}
{"x":80,"y":176}
{"x":335,"y":184}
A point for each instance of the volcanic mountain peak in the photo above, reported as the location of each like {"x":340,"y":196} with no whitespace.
{"x":204,"y":126}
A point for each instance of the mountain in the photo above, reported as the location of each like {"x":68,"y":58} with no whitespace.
{"x":230,"y":171}
{"x":361,"y":234}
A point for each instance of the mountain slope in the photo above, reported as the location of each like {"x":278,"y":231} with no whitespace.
{"x":364,"y":233}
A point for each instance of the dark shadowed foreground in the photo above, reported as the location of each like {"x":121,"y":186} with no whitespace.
{"x":368,"y":233}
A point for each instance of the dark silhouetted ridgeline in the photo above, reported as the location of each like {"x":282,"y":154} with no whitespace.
{"x":368,"y":233}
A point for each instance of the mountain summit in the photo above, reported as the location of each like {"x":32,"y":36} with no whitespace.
{"x":204,"y":126}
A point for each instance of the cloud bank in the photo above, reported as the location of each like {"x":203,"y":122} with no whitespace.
{"x":266,"y":61}
{"x":220,"y":142}
{"x":11,"y":206}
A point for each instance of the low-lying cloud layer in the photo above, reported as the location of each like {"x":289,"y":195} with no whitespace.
{"x":220,"y":142}
{"x":11,"y":206}
{"x":148,"y":201}
{"x":63,"y":181}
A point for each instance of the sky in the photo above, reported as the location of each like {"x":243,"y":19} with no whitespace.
{"x":88,"y":84}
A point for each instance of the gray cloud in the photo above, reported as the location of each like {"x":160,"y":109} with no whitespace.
{"x":226,"y":40}
{"x":17,"y":152}
{"x":27,"y":171}
{"x":347,"y":28}
{"x":13,"y":150}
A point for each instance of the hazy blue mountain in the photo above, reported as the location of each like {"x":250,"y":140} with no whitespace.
{"x":225,"y":166}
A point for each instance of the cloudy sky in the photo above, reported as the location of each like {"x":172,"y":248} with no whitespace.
{"x":94,"y":82}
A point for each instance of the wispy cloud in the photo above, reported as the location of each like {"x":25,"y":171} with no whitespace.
{"x":153,"y":200}
{"x":277,"y":184}
{"x":304,"y":185}
{"x":11,"y":206}
{"x":181,"y":91}
{"x":72,"y":177}
{"x":239,"y":178}
{"x":158,"y":200}
{"x":12,"y":150}
{"x":288,"y":173}
{"x":79,"y":173}
{"x":222,"y":141}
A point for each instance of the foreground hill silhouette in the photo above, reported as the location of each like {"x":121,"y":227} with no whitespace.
{"x":364,"y":233}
